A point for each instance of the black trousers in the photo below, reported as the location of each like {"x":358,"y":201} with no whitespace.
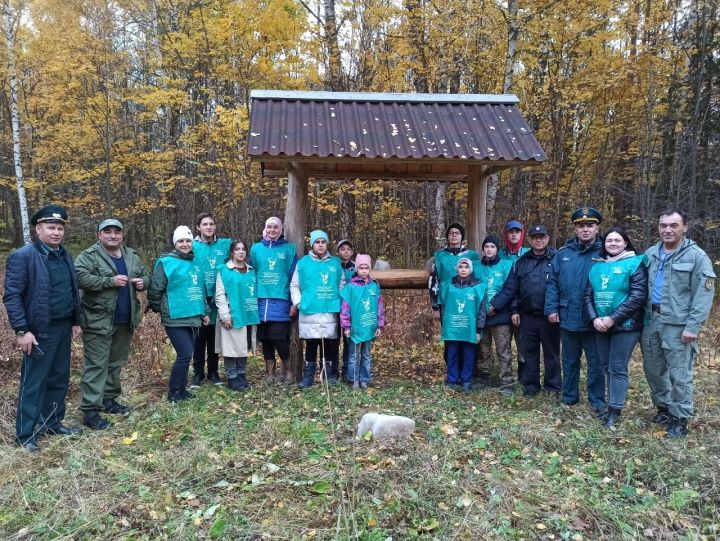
{"x":44,"y":383}
{"x":331,"y":348}
{"x":205,"y":341}
{"x":537,"y":331}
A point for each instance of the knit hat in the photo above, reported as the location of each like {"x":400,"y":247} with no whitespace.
{"x":363,"y":259}
{"x":272,"y":220}
{"x":492,"y":239}
{"x":457,"y":226}
{"x":464,"y":260}
{"x":182,"y":232}
{"x":318,"y":234}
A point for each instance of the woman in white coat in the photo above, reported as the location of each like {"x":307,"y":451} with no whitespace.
{"x":236,"y":300}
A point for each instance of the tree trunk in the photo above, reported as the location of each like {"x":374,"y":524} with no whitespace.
{"x":334,"y":80}
{"x":17,"y":158}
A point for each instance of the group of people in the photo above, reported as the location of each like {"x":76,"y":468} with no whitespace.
{"x":595,"y":295}
{"x":215,"y":295}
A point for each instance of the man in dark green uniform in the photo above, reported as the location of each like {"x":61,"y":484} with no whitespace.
{"x":41,"y":298}
{"x":109,"y":275}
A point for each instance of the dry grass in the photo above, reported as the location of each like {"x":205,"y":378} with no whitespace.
{"x":269,"y":464}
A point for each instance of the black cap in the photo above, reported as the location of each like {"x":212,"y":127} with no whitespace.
{"x":50,"y":214}
{"x":492,"y":239}
{"x":457,"y":226}
{"x":586,"y":214}
{"x":538,"y":230}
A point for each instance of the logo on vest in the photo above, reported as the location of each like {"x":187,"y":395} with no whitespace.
{"x":604,"y":279}
{"x":271,"y":263}
{"x":194,"y":277}
{"x":213,"y":262}
{"x":251,"y":289}
{"x":324,"y":276}
{"x":490,"y":282}
{"x":460,"y":305}
{"x":366,"y":304}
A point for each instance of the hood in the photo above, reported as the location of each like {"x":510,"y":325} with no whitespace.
{"x":280,"y":240}
{"x":513,"y":248}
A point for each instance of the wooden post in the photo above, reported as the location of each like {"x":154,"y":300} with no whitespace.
{"x":295,"y":226}
{"x":477,"y":206}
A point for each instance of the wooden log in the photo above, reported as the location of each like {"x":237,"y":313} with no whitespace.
{"x":476,"y":206}
{"x":401,"y":278}
{"x":295,"y":226}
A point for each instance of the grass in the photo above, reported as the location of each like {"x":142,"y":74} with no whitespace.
{"x":269,"y":464}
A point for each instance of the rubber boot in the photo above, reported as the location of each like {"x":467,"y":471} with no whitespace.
{"x":678,"y":428}
{"x":269,"y":371}
{"x":614,"y":417}
{"x":308,"y":376}
{"x":289,"y":373}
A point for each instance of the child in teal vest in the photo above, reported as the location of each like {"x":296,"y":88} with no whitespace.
{"x":362,"y":316}
{"x":315,"y":293}
{"x":237,"y":303}
{"x":463,"y":318}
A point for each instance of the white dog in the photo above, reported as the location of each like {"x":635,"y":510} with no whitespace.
{"x":384,"y":427}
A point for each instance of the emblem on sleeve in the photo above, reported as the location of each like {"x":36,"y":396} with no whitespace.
{"x":710,"y":283}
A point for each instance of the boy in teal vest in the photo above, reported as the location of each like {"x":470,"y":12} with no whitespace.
{"x":315,"y":293}
{"x":463,"y":318}
{"x":362,"y":316}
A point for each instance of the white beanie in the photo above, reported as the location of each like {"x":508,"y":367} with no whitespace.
{"x":182,"y":232}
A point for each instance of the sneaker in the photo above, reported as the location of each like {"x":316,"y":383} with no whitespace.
{"x":112,"y":406}
{"x":363,"y":385}
{"x":662,"y":418}
{"x":62,"y":430}
{"x":601,"y":414}
{"x":356,"y":385}
{"x":506,"y":390}
{"x":613,"y":418}
{"x":186,"y":395}
{"x":197,"y":381}
{"x":94,"y":421}
{"x":214,"y":378}
{"x":467,"y":387}
{"x":179,"y":395}
{"x":678,"y":428}
{"x":30,"y":445}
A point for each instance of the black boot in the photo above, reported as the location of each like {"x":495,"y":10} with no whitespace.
{"x":308,"y":376}
{"x":613,"y":417}
{"x":234,"y":384}
{"x":242,"y":381}
{"x":114,"y":407}
{"x":662,"y":417}
{"x":677,"y":429}
{"x":94,"y":421}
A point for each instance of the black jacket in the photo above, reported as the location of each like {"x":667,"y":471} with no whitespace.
{"x":27,"y":289}
{"x":632,"y":308}
{"x":530,"y":277}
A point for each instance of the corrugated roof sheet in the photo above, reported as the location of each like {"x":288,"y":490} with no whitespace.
{"x":356,"y":128}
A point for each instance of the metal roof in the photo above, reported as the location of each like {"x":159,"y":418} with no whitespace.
{"x":350,"y":127}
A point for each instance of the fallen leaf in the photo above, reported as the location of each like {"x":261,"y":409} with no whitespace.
{"x":132,"y":439}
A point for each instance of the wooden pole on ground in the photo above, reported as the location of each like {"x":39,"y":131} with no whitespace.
{"x":295,"y":227}
{"x":476,"y":206}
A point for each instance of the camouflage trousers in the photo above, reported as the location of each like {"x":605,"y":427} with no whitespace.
{"x":501,"y":335}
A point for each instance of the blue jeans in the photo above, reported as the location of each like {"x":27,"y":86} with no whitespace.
{"x":573,"y":345}
{"x":183,"y":341}
{"x":614,"y":350}
{"x":460,"y":361}
{"x":359,"y":370}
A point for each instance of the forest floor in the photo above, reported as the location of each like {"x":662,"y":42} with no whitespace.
{"x":278,"y":463}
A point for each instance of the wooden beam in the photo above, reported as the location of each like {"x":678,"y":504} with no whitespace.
{"x":401,"y":278}
{"x":477,"y":206}
{"x":295,"y":227}
{"x":420,"y":177}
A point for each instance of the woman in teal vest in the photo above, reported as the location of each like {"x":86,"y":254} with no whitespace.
{"x":177,"y":291}
{"x":274,"y":260}
{"x":315,"y":292}
{"x":463,"y":318}
{"x":614,"y":299}
{"x":237,"y":304}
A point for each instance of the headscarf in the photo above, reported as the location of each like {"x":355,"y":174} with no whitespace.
{"x":272,"y":220}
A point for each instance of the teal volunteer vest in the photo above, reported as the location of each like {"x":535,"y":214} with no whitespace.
{"x":272,"y":266}
{"x":460,"y":312}
{"x":185,"y":287}
{"x":493,"y":277}
{"x":445,"y":266}
{"x":210,"y":257}
{"x":363,"y":301}
{"x":241,"y":292}
{"x":611,"y":283}
{"x":319,"y":284}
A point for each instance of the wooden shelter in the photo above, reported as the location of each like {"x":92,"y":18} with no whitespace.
{"x":414,"y":137}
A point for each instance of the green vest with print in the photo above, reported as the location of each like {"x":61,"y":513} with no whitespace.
{"x":446,"y":266}
{"x":210,"y":256}
{"x":493,"y":276}
{"x":319,"y":284}
{"x":611,"y":283}
{"x":241,"y":293}
{"x":185,"y":287}
{"x":363,"y":301}
{"x":272,"y":265}
{"x":460,"y":312}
